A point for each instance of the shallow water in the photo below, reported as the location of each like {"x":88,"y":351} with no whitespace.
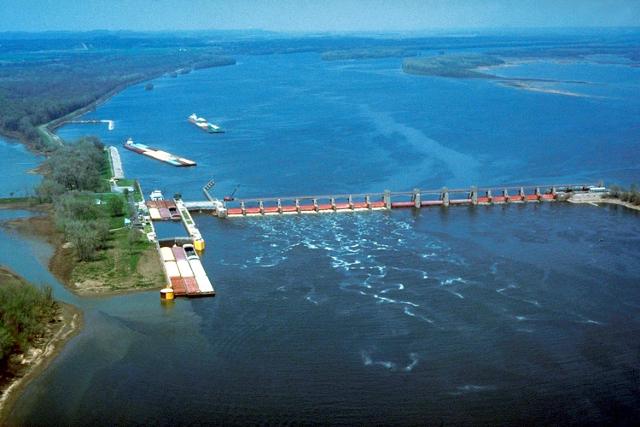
{"x":16,"y":179}
{"x":484,"y":315}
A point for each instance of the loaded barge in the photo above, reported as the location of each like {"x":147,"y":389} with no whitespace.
{"x":180,"y":257}
{"x":203,"y":124}
{"x":184,"y":271}
{"x":157,"y":154}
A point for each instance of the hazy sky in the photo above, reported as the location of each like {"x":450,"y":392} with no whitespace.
{"x":310,"y":15}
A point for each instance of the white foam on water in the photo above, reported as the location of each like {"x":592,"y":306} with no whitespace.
{"x":339,"y":263}
{"x":459,"y":295}
{"x":384,"y":299}
{"x":510,"y":286}
{"x":368,"y":361}
{"x":309,"y":245}
{"x":398,"y":287}
{"x":393,"y":301}
{"x":587,"y":321}
{"x":429,"y":255}
{"x":473,"y":388}
{"x":308,"y":298}
{"x":452,"y":281}
{"x":494,"y":268}
{"x":380,"y":245}
{"x":414,"y":362}
{"x":281,"y":288}
{"x":408,"y":312}
{"x":456,"y":260}
{"x":521,"y":318}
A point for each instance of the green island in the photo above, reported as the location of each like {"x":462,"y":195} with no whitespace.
{"x":455,"y":65}
{"x":368,"y":53}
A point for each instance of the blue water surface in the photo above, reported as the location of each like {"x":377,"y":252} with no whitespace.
{"x":485,"y":315}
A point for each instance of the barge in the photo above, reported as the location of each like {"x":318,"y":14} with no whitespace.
{"x":161,"y":209}
{"x":203,"y":124}
{"x":157,"y":154}
{"x":185,"y":272}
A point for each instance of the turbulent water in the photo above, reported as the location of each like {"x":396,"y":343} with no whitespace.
{"x":480,"y":315}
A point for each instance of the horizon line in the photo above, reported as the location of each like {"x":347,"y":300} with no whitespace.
{"x":385,"y":31}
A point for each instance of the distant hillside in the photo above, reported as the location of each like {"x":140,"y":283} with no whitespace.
{"x":368,"y":53}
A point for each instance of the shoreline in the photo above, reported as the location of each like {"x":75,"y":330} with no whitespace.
{"x":38,"y":357}
{"x":607,"y":201}
{"x":62,"y":261}
{"x":54,"y":124}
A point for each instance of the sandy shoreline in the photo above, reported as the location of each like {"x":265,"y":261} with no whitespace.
{"x":68,"y":324}
{"x":529,"y":84}
{"x":600,"y":201}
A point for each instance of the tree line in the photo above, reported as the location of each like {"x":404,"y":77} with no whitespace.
{"x":632,"y":195}
{"x":73,"y":176}
{"x":24,"y":312}
{"x":48,"y":86}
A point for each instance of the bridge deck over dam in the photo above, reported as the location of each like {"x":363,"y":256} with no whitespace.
{"x":387,"y":200}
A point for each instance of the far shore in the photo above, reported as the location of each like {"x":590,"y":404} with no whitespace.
{"x":609,"y":201}
{"x":51,"y":126}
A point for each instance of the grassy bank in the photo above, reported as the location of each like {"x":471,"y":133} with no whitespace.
{"x":98,"y":250}
{"x":124,"y":264}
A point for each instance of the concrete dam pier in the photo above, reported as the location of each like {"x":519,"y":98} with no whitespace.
{"x":387,"y":200}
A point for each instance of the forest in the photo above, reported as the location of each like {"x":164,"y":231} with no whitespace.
{"x":46,"y":76}
{"x":38,"y":87}
{"x":74,"y":176}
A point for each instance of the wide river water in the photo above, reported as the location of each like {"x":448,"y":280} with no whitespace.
{"x":478,"y":315}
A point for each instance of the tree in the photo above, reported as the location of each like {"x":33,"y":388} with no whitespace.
{"x":116,"y":206}
{"x":48,"y":189}
{"x":84,"y":238}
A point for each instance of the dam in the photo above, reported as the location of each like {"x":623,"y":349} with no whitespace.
{"x":387,"y":200}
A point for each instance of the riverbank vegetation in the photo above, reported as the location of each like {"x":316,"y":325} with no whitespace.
{"x":40,"y":86}
{"x":368,"y":53}
{"x":97,"y":252}
{"x":458,"y":65}
{"x":25,"y":311}
{"x":76,"y":176}
{"x":33,"y":328}
{"x":631,"y":195}
{"x":45,"y":78}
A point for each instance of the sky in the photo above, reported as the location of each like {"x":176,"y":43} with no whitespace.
{"x":312,"y":15}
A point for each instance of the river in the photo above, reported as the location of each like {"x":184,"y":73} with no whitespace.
{"x":500,"y":314}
